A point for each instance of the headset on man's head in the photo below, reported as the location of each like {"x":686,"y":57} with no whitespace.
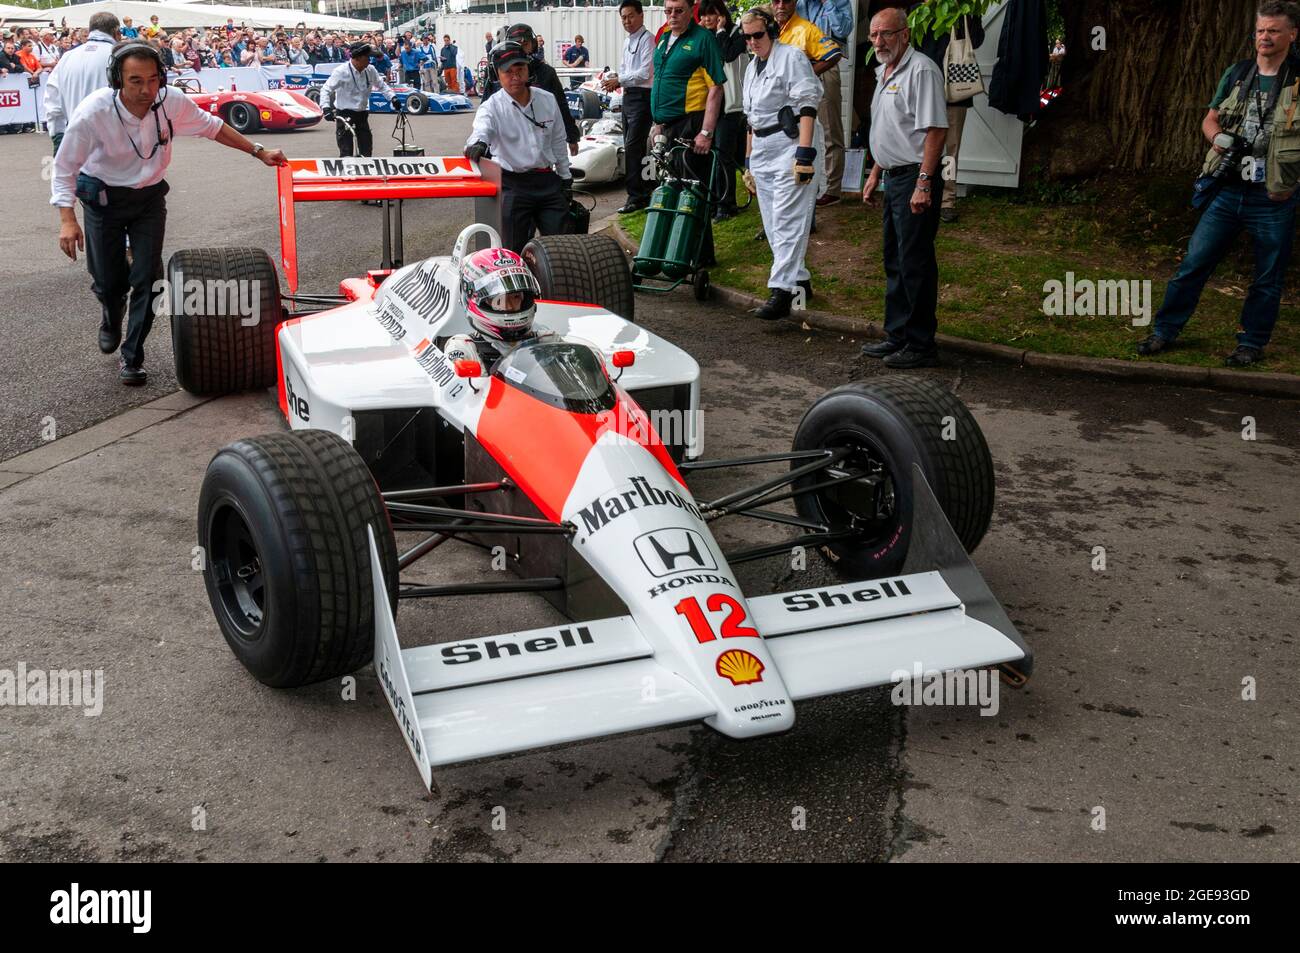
{"x":124,"y":51}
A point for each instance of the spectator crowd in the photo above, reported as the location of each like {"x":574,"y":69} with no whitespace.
{"x":419,"y":60}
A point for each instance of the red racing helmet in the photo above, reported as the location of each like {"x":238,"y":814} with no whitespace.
{"x":499,"y":294}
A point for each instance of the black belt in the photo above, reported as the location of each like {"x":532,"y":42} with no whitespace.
{"x":769,"y":131}
{"x":903,"y":169}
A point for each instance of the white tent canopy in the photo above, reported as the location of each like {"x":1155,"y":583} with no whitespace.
{"x":17,"y":15}
{"x":172,"y":15}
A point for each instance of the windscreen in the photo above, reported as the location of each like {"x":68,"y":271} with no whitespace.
{"x":563,"y":374}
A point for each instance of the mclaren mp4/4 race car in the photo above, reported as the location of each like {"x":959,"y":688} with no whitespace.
{"x":552,"y":453}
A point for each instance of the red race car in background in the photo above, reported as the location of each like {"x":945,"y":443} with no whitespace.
{"x":250,"y":110}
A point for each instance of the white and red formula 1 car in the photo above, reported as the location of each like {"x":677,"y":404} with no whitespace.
{"x":554,"y":455}
{"x":247,"y":111}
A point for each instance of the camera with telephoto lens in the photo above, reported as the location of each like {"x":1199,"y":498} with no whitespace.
{"x":1234,"y":147}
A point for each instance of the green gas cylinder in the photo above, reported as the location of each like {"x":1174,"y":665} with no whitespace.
{"x":658,"y":222}
{"x":679,"y":251}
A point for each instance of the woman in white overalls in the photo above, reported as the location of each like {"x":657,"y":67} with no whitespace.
{"x":780,"y":97}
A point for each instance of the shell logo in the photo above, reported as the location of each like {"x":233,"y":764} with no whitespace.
{"x":266,"y":114}
{"x":740,"y":667}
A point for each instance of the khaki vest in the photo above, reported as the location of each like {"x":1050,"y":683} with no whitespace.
{"x":1282,"y":164}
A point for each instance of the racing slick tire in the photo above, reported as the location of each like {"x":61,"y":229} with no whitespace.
{"x":591,"y":107}
{"x":312,"y":93}
{"x":224,"y":353}
{"x":586,"y":268}
{"x":891,"y":423}
{"x":416,"y":104}
{"x":282,"y":523}
{"x":243,"y":118}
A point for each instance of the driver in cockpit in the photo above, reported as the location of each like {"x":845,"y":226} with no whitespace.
{"x":499,"y":295}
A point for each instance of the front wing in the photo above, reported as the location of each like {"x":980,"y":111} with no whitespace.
{"x":480,"y":698}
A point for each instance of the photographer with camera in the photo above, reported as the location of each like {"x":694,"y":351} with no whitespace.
{"x":1248,"y":182}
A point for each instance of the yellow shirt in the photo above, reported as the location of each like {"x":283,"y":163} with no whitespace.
{"x":151,"y":30}
{"x":803,"y":35}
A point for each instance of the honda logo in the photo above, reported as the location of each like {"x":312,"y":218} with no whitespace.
{"x":667,"y":551}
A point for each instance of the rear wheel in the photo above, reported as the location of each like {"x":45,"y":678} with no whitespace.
{"x":312,"y":93}
{"x":243,"y":118}
{"x":416,"y":104}
{"x":586,"y":268}
{"x":225,"y":308}
{"x":887,"y":425}
{"x":283,"y":522}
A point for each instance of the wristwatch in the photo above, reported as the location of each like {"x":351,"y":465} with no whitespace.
{"x":706,"y":133}
{"x":258,"y":149}
{"x":925,"y":175}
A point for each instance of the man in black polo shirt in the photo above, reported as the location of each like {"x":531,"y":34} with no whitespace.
{"x":686,"y":97}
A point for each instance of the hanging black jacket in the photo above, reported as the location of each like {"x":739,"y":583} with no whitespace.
{"x":1022,"y":60}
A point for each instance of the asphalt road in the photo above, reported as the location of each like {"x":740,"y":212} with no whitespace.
{"x":1132,"y":742}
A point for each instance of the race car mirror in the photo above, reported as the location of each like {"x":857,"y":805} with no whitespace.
{"x":468,"y":368}
{"x":624,"y":358}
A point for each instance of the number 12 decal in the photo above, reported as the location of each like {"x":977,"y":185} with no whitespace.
{"x":733,"y":626}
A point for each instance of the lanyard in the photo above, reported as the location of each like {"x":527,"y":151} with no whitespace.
{"x":162,"y":140}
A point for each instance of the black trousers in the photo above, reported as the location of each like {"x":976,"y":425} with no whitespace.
{"x":636,"y":137}
{"x":142,"y":215}
{"x":365,"y":141}
{"x":731,"y":141}
{"x":911,"y":269}
{"x":412,"y":77}
{"x":530,"y":201}
{"x":697,"y":167}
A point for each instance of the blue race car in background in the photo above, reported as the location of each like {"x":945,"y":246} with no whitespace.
{"x":406,"y":99}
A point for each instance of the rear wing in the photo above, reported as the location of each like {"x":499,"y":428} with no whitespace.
{"x":386,"y":179}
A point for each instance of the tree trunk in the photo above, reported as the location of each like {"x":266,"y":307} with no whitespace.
{"x":1138,"y":103}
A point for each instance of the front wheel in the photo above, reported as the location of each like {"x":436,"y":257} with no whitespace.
{"x":243,"y":118}
{"x":416,"y":104}
{"x":283,"y":525}
{"x":884,"y":427}
{"x":313,"y":93}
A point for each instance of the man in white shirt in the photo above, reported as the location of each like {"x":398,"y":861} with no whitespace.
{"x":79,"y":73}
{"x":47,"y":50}
{"x":909,"y":123}
{"x":635,"y":73}
{"x":113,"y":157}
{"x":525,"y":133}
{"x":347,"y":93}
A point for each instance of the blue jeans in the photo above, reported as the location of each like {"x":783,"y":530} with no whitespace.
{"x":1271,"y":226}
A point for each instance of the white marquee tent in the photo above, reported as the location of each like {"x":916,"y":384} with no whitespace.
{"x":17,"y":15}
{"x":171,"y":15}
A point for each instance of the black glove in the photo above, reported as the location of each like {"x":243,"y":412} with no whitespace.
{"x":476,"y":151}
{"x":804,"y":157}
{"x":329,"y":114}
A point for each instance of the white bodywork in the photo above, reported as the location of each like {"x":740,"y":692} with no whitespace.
{"x":600,"y":155}
{"x":690,"y":646}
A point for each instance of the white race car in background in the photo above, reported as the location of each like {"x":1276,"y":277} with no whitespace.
{"x":600,"y":155}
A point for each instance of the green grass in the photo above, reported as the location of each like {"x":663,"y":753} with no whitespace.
{"x":995,"y":262}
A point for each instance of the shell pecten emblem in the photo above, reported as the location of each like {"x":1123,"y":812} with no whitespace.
{"x":740,"y":667}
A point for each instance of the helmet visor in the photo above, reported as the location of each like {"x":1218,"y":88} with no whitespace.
{"x":497,"y":288}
